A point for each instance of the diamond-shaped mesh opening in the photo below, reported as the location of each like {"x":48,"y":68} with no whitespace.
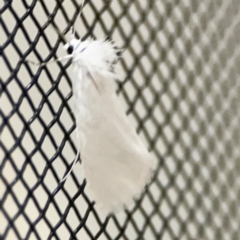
{"x":181,"y":91}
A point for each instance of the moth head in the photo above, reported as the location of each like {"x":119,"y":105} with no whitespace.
{"x":76,"y":46}
{"x":72,"y":45}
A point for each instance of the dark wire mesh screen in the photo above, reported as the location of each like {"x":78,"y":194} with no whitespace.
{"x":182,"y":89}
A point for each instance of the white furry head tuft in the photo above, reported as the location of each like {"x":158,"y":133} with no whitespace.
{"x":96,"y":55}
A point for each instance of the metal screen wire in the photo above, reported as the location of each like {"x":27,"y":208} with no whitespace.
{"x":181,"y":91}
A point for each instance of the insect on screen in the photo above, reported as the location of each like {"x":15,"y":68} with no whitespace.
{"x":180,"y":89}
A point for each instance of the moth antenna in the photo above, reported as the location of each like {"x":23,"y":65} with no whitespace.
{"x":49,"y":62}
{"x":73,"y":28}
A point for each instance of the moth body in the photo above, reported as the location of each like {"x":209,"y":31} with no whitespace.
{"x":116,"y":163}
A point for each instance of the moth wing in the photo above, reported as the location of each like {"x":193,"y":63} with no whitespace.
{"x":116,"y":163}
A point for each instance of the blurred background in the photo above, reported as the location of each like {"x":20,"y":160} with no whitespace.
{"x":181,"y":90}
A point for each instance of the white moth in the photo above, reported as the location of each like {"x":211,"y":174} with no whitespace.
{"x":116,"y":164}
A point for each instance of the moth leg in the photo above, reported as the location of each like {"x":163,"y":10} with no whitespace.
{"x":73,"y":164}
{"x":93,"y":81}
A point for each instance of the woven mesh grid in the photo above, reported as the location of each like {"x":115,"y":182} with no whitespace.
{"x":181,"y":88}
